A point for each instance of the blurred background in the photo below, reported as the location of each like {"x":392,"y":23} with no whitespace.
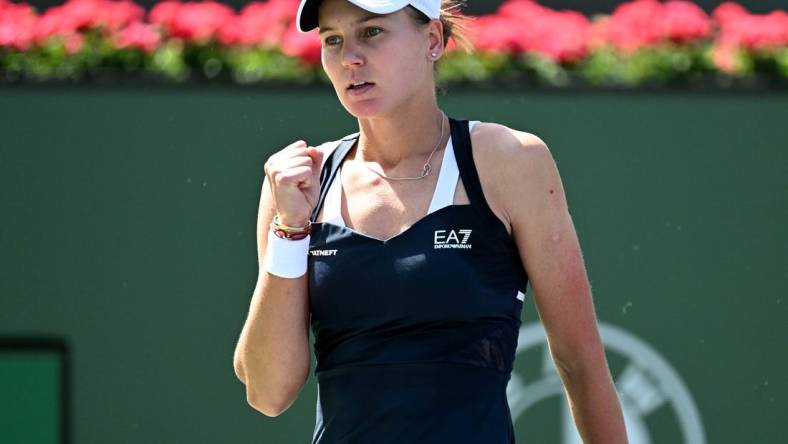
{"x":476,"y":7}
{"x":132,"y":144}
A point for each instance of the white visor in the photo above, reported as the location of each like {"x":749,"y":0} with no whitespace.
{"x":306,"y":19}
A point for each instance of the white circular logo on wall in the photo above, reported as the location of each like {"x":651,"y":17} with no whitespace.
{"x":647,"y":383}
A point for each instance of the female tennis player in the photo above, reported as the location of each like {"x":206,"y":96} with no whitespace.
{"x":407,"y":248}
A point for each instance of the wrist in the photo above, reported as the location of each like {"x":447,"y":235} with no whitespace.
{"x":286,"y":257}
{"x":290,"y":221}
{"x":288,"y":231}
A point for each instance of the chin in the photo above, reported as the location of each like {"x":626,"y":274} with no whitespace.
{"x":364,"y":109}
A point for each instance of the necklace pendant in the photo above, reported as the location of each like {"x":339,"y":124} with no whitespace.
{"x":426,"y":170}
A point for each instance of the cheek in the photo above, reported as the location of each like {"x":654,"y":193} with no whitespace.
{"x":404,"y":67}
{"x":332,"y":69}
{"x":328,"y":63}
{"x":408,"y":54}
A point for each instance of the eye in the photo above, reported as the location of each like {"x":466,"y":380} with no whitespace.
{"x":329,"y":41}
{"x":372,"y":31}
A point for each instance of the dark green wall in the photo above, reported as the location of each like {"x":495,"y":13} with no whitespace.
{"x":128,"y":222}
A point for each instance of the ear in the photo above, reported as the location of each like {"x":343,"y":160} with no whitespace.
{"x":435,"y":39}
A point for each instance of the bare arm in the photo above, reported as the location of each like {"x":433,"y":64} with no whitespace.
{"x":546,"y":238}
{"x":272,"y":356}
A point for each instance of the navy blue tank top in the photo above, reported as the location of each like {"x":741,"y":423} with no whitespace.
{"x":415,"y":335}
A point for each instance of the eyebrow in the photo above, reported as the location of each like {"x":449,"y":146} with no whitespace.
{"x":365,"y":18}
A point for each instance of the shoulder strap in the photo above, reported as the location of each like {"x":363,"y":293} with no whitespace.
{"x":463,"y":151}
{"x":330,"y":168}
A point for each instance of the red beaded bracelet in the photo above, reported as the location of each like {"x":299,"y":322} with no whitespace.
{"x":292,"y":236}
{"x":287,"y":232}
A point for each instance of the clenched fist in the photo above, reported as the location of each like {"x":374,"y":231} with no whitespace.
{"x":294,"y":175}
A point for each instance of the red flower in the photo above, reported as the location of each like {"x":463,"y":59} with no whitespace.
{"x":114,"y":15}
{"x":75,"y":16}
{"x":643,"y":23}
{"x":78,"y":14}
{"x":451,"y":46}
{"x":260,"y":23}
{"x":750,"y":31}
{"x":727,"y":12}
{"x":523,"y":9}
{"x":523,"y":25}
{"x":17,"y":23}
{"x":138,"y":35}
{"x":600,"y":29}
{"x":740,"y":30}
{"x":634,"y":25}
{"x":562,"y":36}
{"x":163,"y":13}
{"x":54,"y":22}
{"x":193,"y":21}
{"x":683,"y":21}
{"x":305,"y":46}
{"x":518,"y":26}
{"x":496,"y":33}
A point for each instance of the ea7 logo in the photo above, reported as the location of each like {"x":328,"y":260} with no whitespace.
{"x":452,"y":239}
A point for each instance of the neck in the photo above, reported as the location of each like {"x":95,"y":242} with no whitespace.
{"x":400,"y":142}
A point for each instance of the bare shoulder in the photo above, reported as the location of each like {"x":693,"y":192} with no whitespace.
{"x":500,"y":142}
{"x":514,"y":166}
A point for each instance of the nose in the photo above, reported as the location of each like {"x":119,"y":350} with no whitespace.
{"x":352,"y":55}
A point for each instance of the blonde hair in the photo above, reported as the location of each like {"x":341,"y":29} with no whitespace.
{"x":452,"y":19}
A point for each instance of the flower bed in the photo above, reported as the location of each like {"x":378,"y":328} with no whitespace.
{"x":642,"y":42}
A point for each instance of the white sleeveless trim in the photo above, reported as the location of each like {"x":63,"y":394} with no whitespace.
{"x":332,"y":204}
{"x":443,"y":196}
{"x":447,"y":180}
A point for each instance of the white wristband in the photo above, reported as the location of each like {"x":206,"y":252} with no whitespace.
{"x":284,"y":257}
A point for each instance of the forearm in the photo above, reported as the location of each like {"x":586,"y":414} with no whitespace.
{"x":272,"y":356}
{"x":595,"y":405}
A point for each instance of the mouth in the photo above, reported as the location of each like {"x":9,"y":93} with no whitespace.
{"x":359,"y":88}
{"x":359,"y":85}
